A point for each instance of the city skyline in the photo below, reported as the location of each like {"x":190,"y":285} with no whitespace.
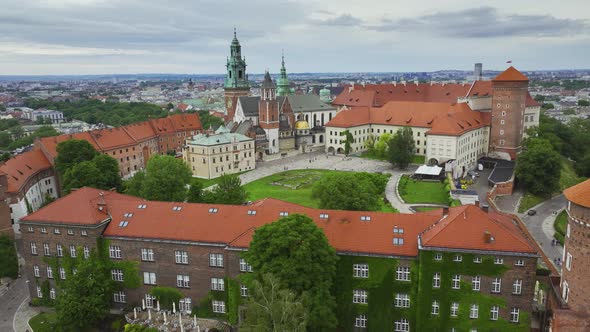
{"x":66,"y":37}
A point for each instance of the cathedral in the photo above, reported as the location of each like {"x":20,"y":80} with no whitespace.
{"x":281,"y":122}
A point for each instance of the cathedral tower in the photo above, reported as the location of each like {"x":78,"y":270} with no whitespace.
{"x":283,"y":88}
{"x":236,"y":79}
{"x":268,"y":113}
{"x":508,"y":105}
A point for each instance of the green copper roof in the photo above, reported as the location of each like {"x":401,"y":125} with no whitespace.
{"x":283,"y":82}
{"x":236,"y":77}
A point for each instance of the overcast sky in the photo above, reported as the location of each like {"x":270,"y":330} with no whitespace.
{"x":193,"y":36}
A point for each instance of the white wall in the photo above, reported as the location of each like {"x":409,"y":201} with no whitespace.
{"x":36,"y":197}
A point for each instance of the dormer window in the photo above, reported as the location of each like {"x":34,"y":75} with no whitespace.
{"x":123,"y":223}
{"x":128,"y":215}
{"x":251,"y":212}
{"x":283,"y":213}
{"x":324,"y":216}
{"x":213,"y":210}
{"x":398,"y":230}
{"x":365,"y":218}
{"x":176,"y":208}
{"x":141,"y":206}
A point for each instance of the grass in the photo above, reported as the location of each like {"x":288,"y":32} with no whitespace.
{"x":43,"y":322}
{"x":46,"y":322}
{"x":528,"y":201}
{"x":560,"y":225}
{"x":414,"y":191}
{"x":425,"y":208}
{"x":301,"y":182}
{"x":214,"y":181}
{"x":416,"y":159}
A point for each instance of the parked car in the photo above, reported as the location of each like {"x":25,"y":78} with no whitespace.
{"x":532,"y":212}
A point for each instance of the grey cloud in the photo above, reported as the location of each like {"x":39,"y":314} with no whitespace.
{"x":344,"y":20}
{"x":485,"y":22}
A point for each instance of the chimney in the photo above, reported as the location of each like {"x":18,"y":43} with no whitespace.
{"x":102,"y":205}
{"x":487,"y":237}
{"x":476,"y":203}
{"x":364,"y":84}
{"x":485,"y":207}
{"x":445,"y":211}
{"x":350,"y":88}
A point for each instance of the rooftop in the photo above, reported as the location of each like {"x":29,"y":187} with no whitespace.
{"x":579,"y":194}
{"x":20,"y":168}
{"x":511,"y":74}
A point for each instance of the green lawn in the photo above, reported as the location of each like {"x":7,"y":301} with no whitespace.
{"x":528,"y":201}
{"x":425,"y":208}
{"x":416,"y":159}
{"x":293,"y":186}
{"x":43,"y":322}
{"x":568,"y":176}
{"x":560,"y":225}
{"x":210,"y":182}
{"x":414,"y":191}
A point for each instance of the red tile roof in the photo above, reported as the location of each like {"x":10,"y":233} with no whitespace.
{"x":442,"y":118}
{"x":232,"y":225}
{"x":111,"y":138}
{"x":465,"y":228}
{"x":579,"y":194}
{"x":49,"y":144}
{"x":530,"y":101}
{"x":22,"y":167}
{"x":141,"y":131}
{"x":511,"y":74}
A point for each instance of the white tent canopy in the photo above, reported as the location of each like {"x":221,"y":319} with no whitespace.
{"x":428,"y":170}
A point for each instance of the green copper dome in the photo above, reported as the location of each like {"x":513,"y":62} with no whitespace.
{"x":283,"y":88}
{"x":236,"y":77}
{"x":325,"y":95}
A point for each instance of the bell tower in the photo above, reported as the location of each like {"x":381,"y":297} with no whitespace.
{"x":268,"y":113}
{"x":283,"y":88}
{"x":236,"y":79}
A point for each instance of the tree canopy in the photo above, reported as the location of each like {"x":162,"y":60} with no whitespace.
{"x":165,"y":179}
{"x":348,"y":140}
{"x":81,"y":175}
{"x":8,"y":259}
{"x":350,"y":191}
{"x":229,"y":190}
{"x":539,"y":167}
{"x":402,"y":147}
{"x":298,"y":254}
{"x":195,"y":192}
{"x":72,"y":152}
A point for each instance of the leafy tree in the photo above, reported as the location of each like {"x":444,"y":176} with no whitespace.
{"x":134,"y":185}
{"x":85,"y":297}
{"x":72,"y":152}
{"x":208,"y":120}
{"x":139,"y":328}
{"x":46,"y":131}
{"x":229,"y":190}
{"x":4,"y":157}
{"x":347,"y":191}
{"x":166,"y":179}
{"x":171,"y":153}
{"x":583,"y":102}
{"x":370,"y":144}
{"x":270,"y":308}
{"x":348,"y":140}
{"x":2,"y":107}
{"x":195,"y":192}
{"x":170,"y":106}
{"x":166,"y":296}
{"x":402,"y":147}
{"x":540,"y":98}
{"x":41,"y":121}
{"x":538,"y":167}
{"x":297,"y":252}
{"x":81,"y":175}
{"x":8,"y":260}
{"x":16,"y":132}
{"x":110,"y":177}
{"x":583,"y":166}
{"x":382,"y":145}
{"x":6,"y":124}
{"x":547,"y":106}
{"x":5,"y":139}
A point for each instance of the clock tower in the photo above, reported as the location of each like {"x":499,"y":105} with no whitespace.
{"x":236,"y":80}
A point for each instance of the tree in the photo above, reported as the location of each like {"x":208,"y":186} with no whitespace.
{"x":46,"y":131}
{"x":84,"y":297}
{"x":4,"y":157}
{"x":229,"y":190}
{"x":540,"y":98}
{"x":382,"y":145}
{"x":347,"y":191}
{"x":134,"y":185}
{"x":16,"y":132}
{"x":348,"y":140}
{"x":583,"y":166}
{"x":539,"y":167}
{"x":195,"y":192}
{"x":5,"y":139}
{"x":110,"y":177}
{"x":402,"y":147}
{"x":297,"y":252}
{"x":370,"y":144}
{"x":547,"y":106}
{"x":72,"y":152}
{"x":8,"y":260}
{"x":139,"y":328}
{"x":583,"y":102}
{"x":272,"y":309}
{"x":42,"y":120}
{"x":208,"y":120}
{"x":166,"y":296}
{"x":81,"y":175}
{"x":166,"y":179}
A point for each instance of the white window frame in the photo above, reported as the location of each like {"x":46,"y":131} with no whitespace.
{"x":438,"y":256}
{"x":59,"y":250}
{"x":36,"y":272}
{"x":474,"y":311}
{"x":402,"y":325}
{"x":477,"y":259}
{"x":119,"y":297}
{"x":515,"y":315}
{"x":402,"y":273}
{"x":183,"y":281}
{"x":149,"y":300}
{"x":49,"y":272}
{"x":568,"y":261}
{"x":436,"y":280}
{"x":39,"y":292}
{"x":147,"y":254}
{"x":498,"y":260}
{"x":62,"y":273}
{"x":70,"y":231}
{"x":181,"y":257}
{"x":115,"y":252}
{"x":360,"y":270}
{"x":435,"y":310}
{"x":496,"y":285}
{"x":519,"y":262}
{"x":454,"y":309}
{"x":216,"y":260}
{"x":456,"y":281}
{"x":217,"y":284}
{"x":360,"y":296}
{"x":46,"y":250}
{"x":494,"y":312}
{"x":149,"y":278}
{"x":243,"y":291}
{"x":185,"y":305}
{"x":117,"y":275}
{"x":360,"y":321}
{"x":83,"y":232}
{"x":73,"y":252}
{"x":402,"y":300}
{"x":218,"y":306}
{"x":476,"y":283}
{"x":244,"y":266}
{"x":33,"y":248}
{"x":517,"y":287}
{"x":52,"y":293}
{"x":457,"y":258}
{"x":86,"y":252}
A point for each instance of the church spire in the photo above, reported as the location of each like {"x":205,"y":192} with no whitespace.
{"x":283,"y":82}
{"x":236,"y":66}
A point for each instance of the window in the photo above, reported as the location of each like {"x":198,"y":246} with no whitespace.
{"x":359,"y":296}
{"x":476,"y":283}
{"x":251,"y":212}
{"x":59,"y":250}
{"x":117,"y":275}
{"x":365,"y":218}
{"x":456,"y":281}
{"x":438,"y":256}
{"x":185,"y":305}
{"x":397,"y":230}
{"x":149,"y":278}
{"x":243,"y":291}
{"x":147,"y":255}
{"x":477,"y":259}
{"x":84,"y":233}
{"x":514,"y":315}
{"x":324,"y":216}
{"x":496,"y":285}
{"x":62,"y":273}
{"x":474,"y":311}
{"x":181,"y":257}
{"x":498,"y":260}
{"x":402,"y":300}
{"x":454,"y":309}
{"x":398,"y":241}
{"x":149,"y":301}
{"x":436,"y":280}
{"x":73,"y":251}
{"x":457,"y":258}
{"x":43,"y":230}
{"x":519,"y":262}
{"x":244,"y":266}
{"x":56,"y":231}
{"x":216,"y":260}
{"x":49,"y":272}
{"x":36,"y":270}
{"x":402,"y":325}
{"x":39,"y":293}
{"x":52,"y":294}
{"x":565,"y":291}
{"x":435,"y":308}
{"x":183,"y":281}
{"x":568,"y":261}
{"x":86,"y":252}
{"x":360,"y":270}
{"x":517,"y":287}
{"x":115,"y":252}
{"x":494,"y":311}
{"x":217,"y":284}
{"x":213,"y":210}
{"x":29,"y":229}
{"x":119,"y":297}
{"x":403,"y":273}
{"x":46,"y":251}
{"x":283,"y":214}
{"x":360,"y":321}
{"x":218,"y":307}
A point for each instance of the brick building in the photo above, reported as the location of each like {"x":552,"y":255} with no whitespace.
{"x":460,"y":269}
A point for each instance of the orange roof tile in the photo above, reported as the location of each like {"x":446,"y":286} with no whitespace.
{"x":579,"y":194}
{"x":189,"y":121}
{"x":111,"y":138}
{"x":50,"y":143}
{"x":20,"y":168}
{"x":442,"y":118}
{"x":511,"y":74}
{"x":465,"y":228}
{"x":140,"y":131}
{"x":232,"y":225}
{"x":530,"y":101}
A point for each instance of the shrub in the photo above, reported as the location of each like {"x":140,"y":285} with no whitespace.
{"x":166,"y":295}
